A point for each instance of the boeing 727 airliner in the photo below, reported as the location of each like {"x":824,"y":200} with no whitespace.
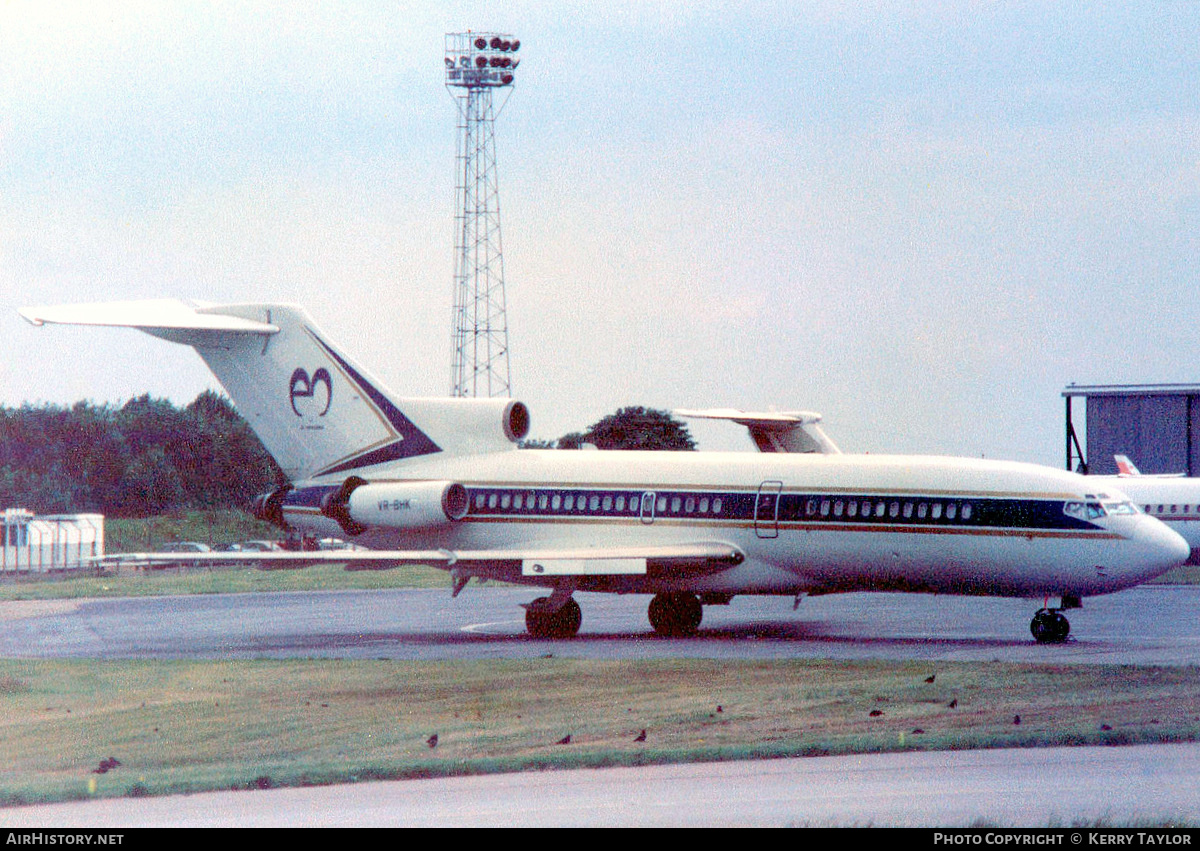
{"x":441,"y":481}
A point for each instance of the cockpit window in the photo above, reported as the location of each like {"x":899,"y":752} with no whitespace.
{"x":1084,"y":510}
{"x":1120,"y":508}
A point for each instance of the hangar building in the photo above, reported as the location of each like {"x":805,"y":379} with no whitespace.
{"x":1156,"y":425}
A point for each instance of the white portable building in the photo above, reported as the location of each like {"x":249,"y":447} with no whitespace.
{"x":30,"y":543}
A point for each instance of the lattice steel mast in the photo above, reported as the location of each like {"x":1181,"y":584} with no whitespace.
{"x":477,"y":64}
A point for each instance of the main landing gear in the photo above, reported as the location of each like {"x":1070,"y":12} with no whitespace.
{"x":558,"y":616}
{"x":547,"y":617}
{"x":675,"y":615}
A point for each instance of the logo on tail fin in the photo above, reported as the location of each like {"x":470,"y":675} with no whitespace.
{"x":302,"y":387}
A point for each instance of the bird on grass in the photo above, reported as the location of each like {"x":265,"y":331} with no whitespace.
{"x":641,"y":737}
{"x":565,"y":740}
{"x":432,"y":741}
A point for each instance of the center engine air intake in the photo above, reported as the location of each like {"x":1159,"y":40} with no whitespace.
{"x":359,"y":504}
{"x":464,"y":426}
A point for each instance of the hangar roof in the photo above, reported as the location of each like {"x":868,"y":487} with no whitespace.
{"x":1132,"y":390}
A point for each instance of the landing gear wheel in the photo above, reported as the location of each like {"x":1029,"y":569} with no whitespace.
{"x":675,"y":614}
{"x":1050,"y":627}
{"x":545,"y":623}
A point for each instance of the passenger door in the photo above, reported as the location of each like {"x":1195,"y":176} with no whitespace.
{"x":766,"y":509}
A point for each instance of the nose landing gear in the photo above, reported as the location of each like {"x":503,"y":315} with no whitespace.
{"x":1049,"y":626}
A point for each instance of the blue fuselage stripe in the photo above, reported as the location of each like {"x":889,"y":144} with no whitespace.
{"x":490,"y":503}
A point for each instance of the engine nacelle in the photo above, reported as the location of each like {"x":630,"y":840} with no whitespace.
{"x":269,"y":506}
{"x":359,"y":504}
{"x":469,"y":426}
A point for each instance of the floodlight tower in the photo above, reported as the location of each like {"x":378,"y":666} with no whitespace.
{"x":476,"y":65}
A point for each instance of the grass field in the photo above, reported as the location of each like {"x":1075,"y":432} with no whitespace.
{"x":215,"y":528}
{"x":219,"y":580}
{"x":177,"y":727}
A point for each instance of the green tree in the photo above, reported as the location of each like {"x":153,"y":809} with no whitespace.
{"x":147,"y":457}
{"x":633,"y":427}
{"x":151,"y":485}
{"x":224,"y":463}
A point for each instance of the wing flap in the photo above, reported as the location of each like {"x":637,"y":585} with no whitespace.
{"x":583,"y":567}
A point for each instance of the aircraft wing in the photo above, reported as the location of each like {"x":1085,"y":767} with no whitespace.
{"x":788,"y":431}
{"x":579,"y":561}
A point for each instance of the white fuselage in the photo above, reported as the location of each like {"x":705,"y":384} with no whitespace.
{"x":806,"y":523}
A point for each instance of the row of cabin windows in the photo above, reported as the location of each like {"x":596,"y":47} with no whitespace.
{"x":619,"y":503}
{"x":1172,"y":509}
{"x":877,"y":508}
{"x":630,"y":504}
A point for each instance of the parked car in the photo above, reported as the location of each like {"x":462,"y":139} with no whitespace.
{"x":186,"y":547}
{"x":258,"y":546}
{"x":183,"y":547}
{"x":337,"y":544}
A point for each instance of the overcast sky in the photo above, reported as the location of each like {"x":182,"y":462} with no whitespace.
{"x":922,"y":219}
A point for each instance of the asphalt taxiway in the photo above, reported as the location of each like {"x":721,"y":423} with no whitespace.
{"x":1150,"y":625}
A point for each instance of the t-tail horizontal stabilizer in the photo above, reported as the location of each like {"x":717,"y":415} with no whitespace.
{"x":788,"y":431}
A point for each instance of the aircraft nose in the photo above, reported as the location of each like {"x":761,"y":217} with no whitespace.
{"x":1181,"y":550}
{"x":1167,"y":548}
{"x":1150,"y":550}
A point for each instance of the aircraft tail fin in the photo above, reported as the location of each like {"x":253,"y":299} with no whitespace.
{"x":1125,"y":467}
{"x":317,"y":412}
